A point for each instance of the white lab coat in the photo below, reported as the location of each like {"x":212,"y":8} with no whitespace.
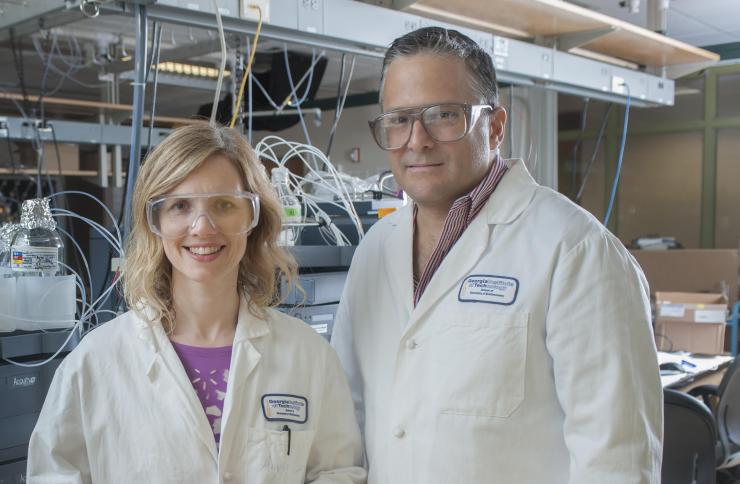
{"x":549,"y":378}
{"x":121,"y":409}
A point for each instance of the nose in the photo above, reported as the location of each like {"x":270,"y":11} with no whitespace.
{"x":420,"y":139}
{"x":203,"y":225}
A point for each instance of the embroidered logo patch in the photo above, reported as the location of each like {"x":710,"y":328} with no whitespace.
{"x":278,"y":407}
{"x":489,"y":289}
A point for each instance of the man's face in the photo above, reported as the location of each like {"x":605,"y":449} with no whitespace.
{"x":436,"y":174}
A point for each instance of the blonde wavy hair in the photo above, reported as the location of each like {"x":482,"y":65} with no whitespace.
{"x":147,"y":273}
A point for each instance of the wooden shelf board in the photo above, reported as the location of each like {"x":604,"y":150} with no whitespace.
{"x":532,"y":18}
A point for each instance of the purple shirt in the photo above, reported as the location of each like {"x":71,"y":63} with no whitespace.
{"x":208,"y":370}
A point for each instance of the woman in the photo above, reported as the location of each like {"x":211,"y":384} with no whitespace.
{"x":202,"y":382}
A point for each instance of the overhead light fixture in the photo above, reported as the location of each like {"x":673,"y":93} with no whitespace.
{"x":190,"y":70}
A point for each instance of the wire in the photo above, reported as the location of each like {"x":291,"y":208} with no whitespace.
{"x":250,"y":103}
{"x":306,"y":75}
{"x":150,"y":54}
{"x":577,"y":146}
{"x":248,"y":71}
{"x":341,"y":106}
{"x":293,"y":92}
{"x":336,"y":109}
{"x":222,"y":68}
{"x":158,"y":35}
{"x":44,"y":78}
{"x":615,"y":185}
{"x":19,"y":70}
{"x":265,"y":93}
{"x":595,"y":152}
{"x":331,"y":180}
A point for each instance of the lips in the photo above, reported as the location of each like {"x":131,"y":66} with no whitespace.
{"x":204,"y":253}
{"x":205,"y":250}
{"x":425,"y":166}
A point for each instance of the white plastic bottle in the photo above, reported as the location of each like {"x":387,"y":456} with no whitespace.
{"x":291,"y":206}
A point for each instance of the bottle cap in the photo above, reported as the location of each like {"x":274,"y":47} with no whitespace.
{"x":36,"y":214}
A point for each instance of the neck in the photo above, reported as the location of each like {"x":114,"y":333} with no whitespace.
{"x":432,"y":217}
{"x":205,"y":314}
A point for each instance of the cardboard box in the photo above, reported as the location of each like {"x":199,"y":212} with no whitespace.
{"x":692,"y":322}
{"x":68,"y":152}
{"x":691,"y":270}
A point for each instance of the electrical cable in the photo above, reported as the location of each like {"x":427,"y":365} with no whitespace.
{"x":19,"y":69}
{"x":574,"y":162}
{"x":341,"y":106}
{"x":38,"y":146}
{"x":331,"y":180}
{"x":599,"y":137}
{"x":265,"y":93}
{"x":618,"y":172}
{"x":247,"y":72}
{"x":222,"y":68}
{"x":336,"y":109}
{"x":150,"y":54}
{"x":293,"y":90}
{"x":158,"y":35}
{"x":44,"y":78}
{"x":250,"y":106}
{"x":306,"y":75}
{"x":59,"y":169}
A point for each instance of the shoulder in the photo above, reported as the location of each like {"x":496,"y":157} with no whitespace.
{"x":293,"y":334}
{"x":104,"y":342}
{"x":375,"y":236}
{"x":574,"y":226}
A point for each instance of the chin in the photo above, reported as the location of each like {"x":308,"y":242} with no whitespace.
{"x":210,"y":275}
{"x":427,"y":195}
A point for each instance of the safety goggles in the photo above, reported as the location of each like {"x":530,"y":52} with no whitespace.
{"x":445,"y":123}
{"x":173,"y":216}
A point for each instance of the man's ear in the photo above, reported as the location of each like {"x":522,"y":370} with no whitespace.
{"x":497,"y":121}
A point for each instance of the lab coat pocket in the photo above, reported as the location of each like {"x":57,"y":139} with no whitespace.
{"x":268,"y":460}
{"x":480,"y":358}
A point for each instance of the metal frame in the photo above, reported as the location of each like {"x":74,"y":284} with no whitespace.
{"x":17,"y":128}
{"x":709,"y":126}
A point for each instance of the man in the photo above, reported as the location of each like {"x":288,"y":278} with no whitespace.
{"x":492,"y":331}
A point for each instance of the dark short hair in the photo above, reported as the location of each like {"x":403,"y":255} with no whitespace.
{"x":447,"y":42}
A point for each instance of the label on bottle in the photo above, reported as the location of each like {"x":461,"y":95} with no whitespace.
{"x":291,"y":212}
{"x":34,"y":259}
{"x":292,"y":215}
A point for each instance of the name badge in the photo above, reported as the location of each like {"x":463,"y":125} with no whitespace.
{"x":285,"y":408}
{"x":489,"y":289}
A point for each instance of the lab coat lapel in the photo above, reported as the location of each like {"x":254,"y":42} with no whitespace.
{"x":398,"y":256}
{"x":171,"y":385}
{"x":463,"y":256}
{"x":244,"y":360}
{"x":511,"y":197}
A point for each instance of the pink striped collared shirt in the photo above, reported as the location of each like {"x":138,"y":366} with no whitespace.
{"x":463,"y":211}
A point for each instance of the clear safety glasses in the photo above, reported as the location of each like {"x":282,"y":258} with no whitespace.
{"x":173,"y":216}
{"x":445,"y":123}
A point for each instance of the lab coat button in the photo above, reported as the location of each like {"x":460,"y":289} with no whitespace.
{"x":411,"y":344}
{"x":399,"y":432}
{"x":227,"y":476}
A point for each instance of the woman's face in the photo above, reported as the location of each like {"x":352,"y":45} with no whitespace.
{"x":203,"y":254}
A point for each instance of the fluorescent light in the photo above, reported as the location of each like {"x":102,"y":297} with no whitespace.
{"x":190,"y":70}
